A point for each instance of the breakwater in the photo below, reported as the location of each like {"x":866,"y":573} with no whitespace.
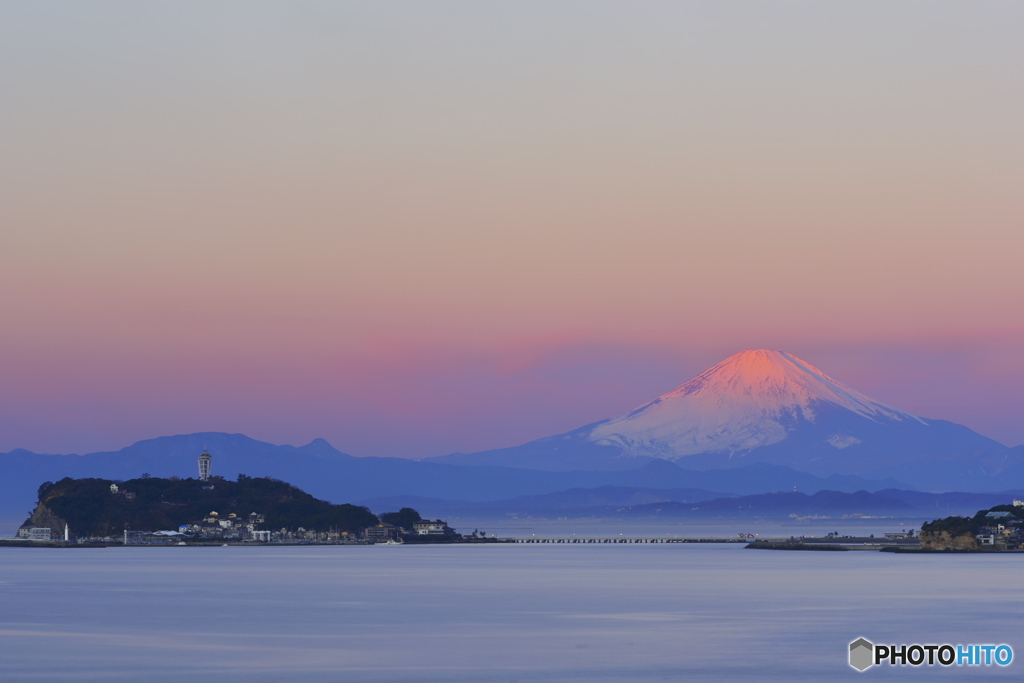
{"x":797,"y":545}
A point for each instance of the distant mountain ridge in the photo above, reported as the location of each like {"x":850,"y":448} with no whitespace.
{"x":775,"y":505}
{"x":438,"y":488}
{"x":638,"y":502}
{"x":331,"y":475}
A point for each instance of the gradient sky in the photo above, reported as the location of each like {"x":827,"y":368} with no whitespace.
{"x":418,"y":228}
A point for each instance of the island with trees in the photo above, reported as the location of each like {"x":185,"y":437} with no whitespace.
{"x":997,"y":529}
{"x":154,"y":510}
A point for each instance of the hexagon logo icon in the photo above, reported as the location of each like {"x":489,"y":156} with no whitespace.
{"x":862,"y":654}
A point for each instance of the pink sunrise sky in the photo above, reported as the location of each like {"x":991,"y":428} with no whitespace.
{"x":419,"y":228}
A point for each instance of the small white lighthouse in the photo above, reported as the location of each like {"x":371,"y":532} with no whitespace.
{"x":205,"y":460}
{"x":67,"y":534}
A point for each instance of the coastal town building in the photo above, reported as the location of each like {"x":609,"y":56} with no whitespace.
{"x":230,"y":526}
{"x":35,"y":533}
{"x":381,"y":533}
{"x":431,"y":527}
{"x":1007,"y":534}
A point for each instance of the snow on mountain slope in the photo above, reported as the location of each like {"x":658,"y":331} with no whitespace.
{"x":749,"y":400}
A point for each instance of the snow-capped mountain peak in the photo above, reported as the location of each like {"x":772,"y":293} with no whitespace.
{"x":775,"y":379}
{"x":751,"y":399}
{"x":768,"y":408}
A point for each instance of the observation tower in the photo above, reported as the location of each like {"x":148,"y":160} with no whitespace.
{"x":205,"y":460}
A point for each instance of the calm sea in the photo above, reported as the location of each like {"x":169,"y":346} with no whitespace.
{"x":526,"y":613}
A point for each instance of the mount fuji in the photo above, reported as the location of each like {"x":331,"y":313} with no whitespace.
{"x":760,"y":406}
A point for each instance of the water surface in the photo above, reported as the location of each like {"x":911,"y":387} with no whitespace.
{"x":489,"y":613}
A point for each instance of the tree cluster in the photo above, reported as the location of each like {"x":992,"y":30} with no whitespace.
{"x":154,"y":503}
{"x":403,"y":519}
